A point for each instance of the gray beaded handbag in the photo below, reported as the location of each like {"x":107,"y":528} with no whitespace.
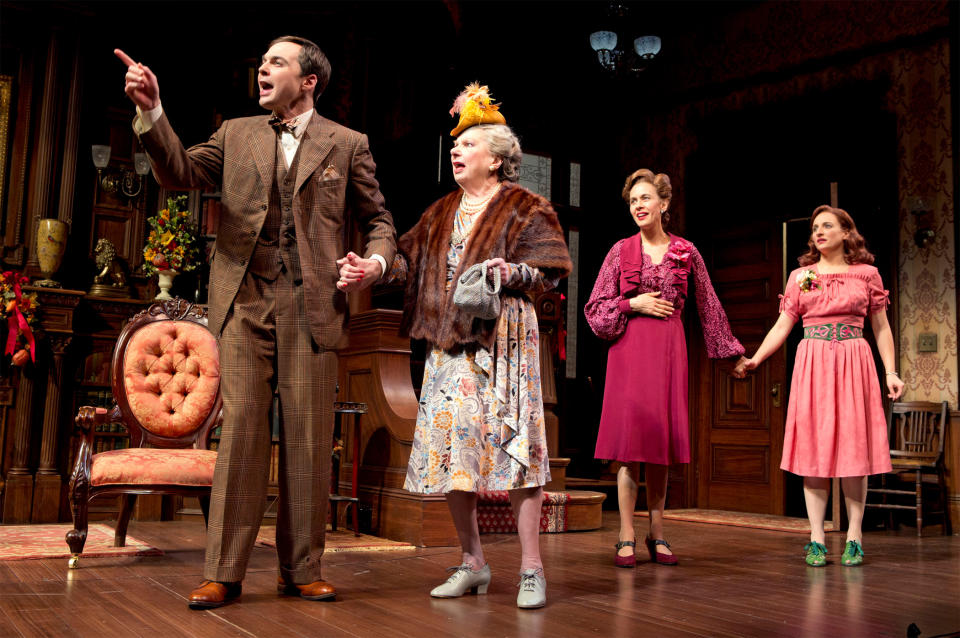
{"x":475,"y":295}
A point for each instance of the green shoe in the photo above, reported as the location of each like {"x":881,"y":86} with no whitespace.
{"x":852,"y":554}
{"x":816,"y":554}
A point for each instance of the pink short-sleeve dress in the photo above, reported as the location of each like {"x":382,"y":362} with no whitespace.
{"x":835,"y":421}
{"x":644,"y":414}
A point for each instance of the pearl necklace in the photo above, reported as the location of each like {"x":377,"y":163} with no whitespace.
{"x":468,"y":210}
{"x":474,"y":207}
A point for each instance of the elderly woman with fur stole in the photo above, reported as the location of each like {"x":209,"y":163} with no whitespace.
{"x":480,"y":425}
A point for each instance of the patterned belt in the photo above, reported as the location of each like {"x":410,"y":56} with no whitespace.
{"x":833,"y":332}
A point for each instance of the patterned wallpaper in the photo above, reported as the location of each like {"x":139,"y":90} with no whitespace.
{"x":928,"y":276}
{"x":919,"y":96}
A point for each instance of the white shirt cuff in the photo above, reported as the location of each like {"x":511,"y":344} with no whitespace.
{"x":146,"y":119}
{"x":383,"y":263}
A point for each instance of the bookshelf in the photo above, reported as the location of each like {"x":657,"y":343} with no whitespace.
{"x":109,"y":436}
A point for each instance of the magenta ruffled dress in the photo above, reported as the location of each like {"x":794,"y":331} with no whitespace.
{"x":836,"y":425}
{"x":645,"y":414}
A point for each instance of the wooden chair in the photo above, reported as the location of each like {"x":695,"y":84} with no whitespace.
{"x":166,"y":389}
{"x":917,"y":430}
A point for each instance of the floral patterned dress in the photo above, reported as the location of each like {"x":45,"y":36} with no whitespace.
{"x":645,"y":401}
{"x":835,"y":420}
{"x":480,"y":425}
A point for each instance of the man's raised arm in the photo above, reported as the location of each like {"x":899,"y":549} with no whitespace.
{"x":173,"y":166}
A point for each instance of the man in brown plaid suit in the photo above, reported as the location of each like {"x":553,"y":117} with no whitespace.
{"x":276,"y":300}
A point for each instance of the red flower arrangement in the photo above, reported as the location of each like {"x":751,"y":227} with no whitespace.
{"x":172,"y":243}
{"x":18,"y":314}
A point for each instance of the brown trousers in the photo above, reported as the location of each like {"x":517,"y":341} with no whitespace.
{"x":266,"y":342}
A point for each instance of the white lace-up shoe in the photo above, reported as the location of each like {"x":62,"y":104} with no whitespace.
{"x":533,"y":589}
{"x":463,"y":578}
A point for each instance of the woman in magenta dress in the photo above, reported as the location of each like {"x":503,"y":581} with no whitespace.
{"x":835,"y":421}
{"x":636,"y":303}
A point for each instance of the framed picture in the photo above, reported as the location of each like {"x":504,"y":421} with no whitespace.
{"x":6,"y":95}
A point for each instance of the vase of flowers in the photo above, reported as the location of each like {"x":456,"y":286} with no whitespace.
{"x":171,"y":246}
{"x":18,"y":318}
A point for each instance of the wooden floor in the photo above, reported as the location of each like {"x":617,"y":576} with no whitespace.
{"x":730,"y":582}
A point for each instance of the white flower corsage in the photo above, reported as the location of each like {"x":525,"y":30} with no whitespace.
{"x":807,"y":280}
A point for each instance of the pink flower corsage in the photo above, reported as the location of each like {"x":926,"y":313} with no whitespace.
{"x":807,"y":280}
{"x":679,"y":253}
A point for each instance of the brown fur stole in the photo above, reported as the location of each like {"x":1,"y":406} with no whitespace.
{"x":518,"y":225}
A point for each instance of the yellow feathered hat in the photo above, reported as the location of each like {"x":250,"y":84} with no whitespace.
{"x":475,"y":106}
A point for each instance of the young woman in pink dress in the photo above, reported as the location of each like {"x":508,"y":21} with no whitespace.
{"x":636,"y":303}
{"x":835,"y":421}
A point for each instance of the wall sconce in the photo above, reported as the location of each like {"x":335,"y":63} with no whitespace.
{"x":614,"y":60}
{"x":127,"y":182}
{"x":923,"y":219}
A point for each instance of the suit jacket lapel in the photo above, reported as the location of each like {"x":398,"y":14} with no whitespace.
{"x":263,"y":146}
{"x":314,"y":147}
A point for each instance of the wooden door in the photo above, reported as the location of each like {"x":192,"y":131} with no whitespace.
{"x":737,"y":424}
{"x":756,"y":175}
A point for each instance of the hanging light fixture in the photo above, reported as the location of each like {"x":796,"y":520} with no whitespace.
{"x":605,"y":44}
{"x":647,"y":47}
{"x":614,"y":60}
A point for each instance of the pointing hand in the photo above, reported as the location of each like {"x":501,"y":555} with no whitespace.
{"x":141,"y":84}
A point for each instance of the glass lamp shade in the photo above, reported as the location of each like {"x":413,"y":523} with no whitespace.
{"x":603,"y":40}
{"x":647,"y":46}
{"x":141,"y":164}
{"x":101,"y":155}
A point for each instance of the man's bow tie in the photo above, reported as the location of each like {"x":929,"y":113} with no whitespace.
{"x":280,"y":126}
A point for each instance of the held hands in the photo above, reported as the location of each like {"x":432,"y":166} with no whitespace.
{"x":743,"y":366}
{"x":498,"y":262}
{"x":649,"y":304}
{"x":141,"y":87}
{"x":357,"y":273}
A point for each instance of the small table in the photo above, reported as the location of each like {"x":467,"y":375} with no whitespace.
{"x":340,"y":408}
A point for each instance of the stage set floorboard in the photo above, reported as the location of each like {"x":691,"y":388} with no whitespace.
{"x":731,"y":581}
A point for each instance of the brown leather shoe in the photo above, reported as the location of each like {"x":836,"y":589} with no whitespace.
{"x":212,"y":594}
{"x":317,"y":590}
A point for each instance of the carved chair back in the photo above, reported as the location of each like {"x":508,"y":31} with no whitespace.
{"x":166,"y":377}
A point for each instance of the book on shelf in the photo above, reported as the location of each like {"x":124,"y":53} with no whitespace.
{"x":211,"y":213}
{"x":275,"y":442}
{"x":97,"y":398}
{"x":274,"y":463}
{"x":106,"y":444}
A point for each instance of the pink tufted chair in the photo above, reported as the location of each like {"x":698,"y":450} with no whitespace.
{"x":166,"y":388}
